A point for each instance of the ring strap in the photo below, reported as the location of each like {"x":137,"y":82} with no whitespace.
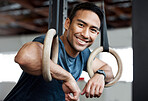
{"x":104,"y":38}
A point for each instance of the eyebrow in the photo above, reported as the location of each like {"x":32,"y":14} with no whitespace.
{"x":87,"y":24}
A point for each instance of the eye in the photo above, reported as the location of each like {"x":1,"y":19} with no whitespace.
{"x":80,"y":25}
{"x":93,"y":30}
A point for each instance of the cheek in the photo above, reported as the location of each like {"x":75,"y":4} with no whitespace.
{"x":72,"y":33}
{"x":93,"y":38}
{"x":76,"y":29}
{"x":70,"y":36}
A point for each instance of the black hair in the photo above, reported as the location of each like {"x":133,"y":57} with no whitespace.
{"x":87,"y":6}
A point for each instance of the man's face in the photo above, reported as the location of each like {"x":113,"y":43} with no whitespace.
{"x":83,"y":29}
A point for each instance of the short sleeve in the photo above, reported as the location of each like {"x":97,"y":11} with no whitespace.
{"x":39,"y":39}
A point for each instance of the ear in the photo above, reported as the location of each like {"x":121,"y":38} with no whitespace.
{"x":98,"y":32}
{"x":67,"y":23}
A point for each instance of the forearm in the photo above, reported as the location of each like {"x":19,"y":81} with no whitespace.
{"x":108,"y":71}
{"x":59,"y":73}
{"x":29,"y":58}
{"x":100,"y":65}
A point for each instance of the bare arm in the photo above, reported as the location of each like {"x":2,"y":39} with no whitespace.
{"x":29,"y":58}
{"x":98,"y":64}
{"x":95,"y":85}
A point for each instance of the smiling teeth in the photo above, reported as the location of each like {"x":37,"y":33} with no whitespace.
{"x":81,"y":41}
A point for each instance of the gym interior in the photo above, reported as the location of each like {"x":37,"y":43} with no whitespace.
{"x":22,"y":21}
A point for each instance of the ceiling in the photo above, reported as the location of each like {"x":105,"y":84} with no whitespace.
{"x":19,"y":17}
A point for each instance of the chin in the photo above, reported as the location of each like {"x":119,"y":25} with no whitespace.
{"x":79,"y":49}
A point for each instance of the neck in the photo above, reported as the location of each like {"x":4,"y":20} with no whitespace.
{"x":68,"y":47}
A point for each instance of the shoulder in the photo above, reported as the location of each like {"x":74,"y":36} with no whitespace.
{"x":42,"y":38}
{"x":39,"y":39}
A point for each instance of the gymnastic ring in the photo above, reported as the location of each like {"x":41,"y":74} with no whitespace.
{"x":50,"y":44}
{"x":119,"y":63}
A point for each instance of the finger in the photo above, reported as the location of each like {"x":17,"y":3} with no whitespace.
{"x":66,"y":97}
{"x":101,"y":90}
{"x":87,"y":92}
{"x":73,"y":98}
{"x":92,"y":90}
{"x":83,"y":91}
{"x":97,"y":92}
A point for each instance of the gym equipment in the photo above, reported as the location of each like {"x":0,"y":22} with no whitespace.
{"x":51,"y":39}
{"x":104,"y":48}
{"x":51,"y":35}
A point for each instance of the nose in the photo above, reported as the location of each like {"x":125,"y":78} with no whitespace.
{"x":85,"y":33}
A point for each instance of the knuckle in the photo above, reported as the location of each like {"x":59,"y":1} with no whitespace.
{"x":75,"y":99}
{"x":79,"y":92}
{"x":101,"y":91}
{"x":89,"y":82}
{"x":87,"y":92}
{"x":94,"y":84}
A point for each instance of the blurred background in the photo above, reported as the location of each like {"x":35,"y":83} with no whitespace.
{"x":22,"y":20}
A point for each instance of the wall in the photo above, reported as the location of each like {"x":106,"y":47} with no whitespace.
{"x":14,"y":43}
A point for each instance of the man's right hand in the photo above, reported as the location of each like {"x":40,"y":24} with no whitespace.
{"x":71,"y":90}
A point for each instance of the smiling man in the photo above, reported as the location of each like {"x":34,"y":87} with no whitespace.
{"x":81,"y":29}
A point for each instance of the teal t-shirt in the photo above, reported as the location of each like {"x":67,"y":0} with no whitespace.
{"x":35,"y":88}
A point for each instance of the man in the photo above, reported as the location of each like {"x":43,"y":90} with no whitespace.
{"x":81,"y":29}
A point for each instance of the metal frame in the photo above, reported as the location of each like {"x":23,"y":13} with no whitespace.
{"x":57,"y":15}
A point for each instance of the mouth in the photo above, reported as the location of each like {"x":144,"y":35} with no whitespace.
{"x":82,"y":41}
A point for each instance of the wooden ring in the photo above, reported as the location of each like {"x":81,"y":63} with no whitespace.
{"x":50,"y":44}
{"x":119,"y":63}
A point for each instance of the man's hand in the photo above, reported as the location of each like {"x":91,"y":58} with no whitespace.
{"x":71,"y":87}
{"x":94,"y":86}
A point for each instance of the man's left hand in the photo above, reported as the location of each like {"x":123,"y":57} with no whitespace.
{"x":94,"y":86}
